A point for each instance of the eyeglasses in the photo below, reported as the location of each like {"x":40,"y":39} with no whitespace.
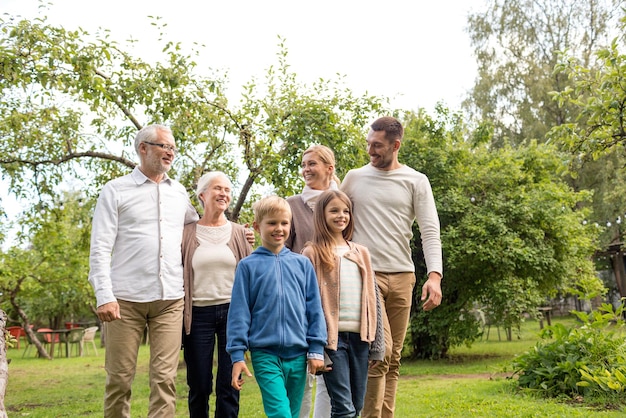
{"x":166,"y":147}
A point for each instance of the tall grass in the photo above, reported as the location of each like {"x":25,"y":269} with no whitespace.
{"x":471,"y":383}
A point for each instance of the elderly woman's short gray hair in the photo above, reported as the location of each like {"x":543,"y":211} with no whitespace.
{"x":205,"y":181}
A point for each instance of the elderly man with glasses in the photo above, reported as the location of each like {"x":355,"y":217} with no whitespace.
{"x":137,"y":274}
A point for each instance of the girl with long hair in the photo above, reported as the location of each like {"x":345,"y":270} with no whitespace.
{"x":350,"y":302}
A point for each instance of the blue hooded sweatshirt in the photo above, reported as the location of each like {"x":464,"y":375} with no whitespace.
{"x":275,"y":307}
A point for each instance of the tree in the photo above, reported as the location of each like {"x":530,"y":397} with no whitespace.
{"x":600,"y":96}
{"x":596,"y":140}
{"x":72,"y":102}
{"x":517,"y":45}
{"x":46,"y":282}
{"x":528,"y":52}
{"x":4,"y":364}
{"x":512,"y":233}
{"x":16,"y":272}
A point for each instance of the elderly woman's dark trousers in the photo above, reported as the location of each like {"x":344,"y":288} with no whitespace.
{"x":208,"y":324}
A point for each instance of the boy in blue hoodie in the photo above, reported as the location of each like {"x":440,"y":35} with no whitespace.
{"x":276,"y":313}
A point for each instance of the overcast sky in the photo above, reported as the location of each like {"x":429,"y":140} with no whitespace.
{"x":415,"y":52}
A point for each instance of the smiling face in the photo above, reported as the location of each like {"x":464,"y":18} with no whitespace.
{"x":274,"y":230}
{"x":217,"y":196}
{"x":316,"y":173}
{"x":332,"y":218}
{"x":382,"y":152}
{"x":337,"y":216}
{"x":156,"y":161}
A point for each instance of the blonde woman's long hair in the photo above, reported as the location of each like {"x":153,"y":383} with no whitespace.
{"x":323,"y":243}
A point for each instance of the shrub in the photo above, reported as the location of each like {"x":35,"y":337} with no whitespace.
{"x":587,"y":360}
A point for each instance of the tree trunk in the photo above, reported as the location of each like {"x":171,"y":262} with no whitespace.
{"x":617,"y":260}
{"x":4,"y":365}
{"x":32,"y":337}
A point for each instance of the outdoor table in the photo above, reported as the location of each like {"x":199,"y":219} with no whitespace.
{"x":80,"y":324}
{"x":55,"y":335}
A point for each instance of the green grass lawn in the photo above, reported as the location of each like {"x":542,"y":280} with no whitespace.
{"x":471,"y":383}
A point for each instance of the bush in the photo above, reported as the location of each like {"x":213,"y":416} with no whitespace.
{"x":586,"y":361}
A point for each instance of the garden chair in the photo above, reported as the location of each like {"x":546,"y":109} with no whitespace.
{"x":489,"y":322}
{"x":90,"y":337}
{"x":42,"y":339}
{"x":18,"y":333}
{"x":73,"y":338}
{"x":48,"y":335}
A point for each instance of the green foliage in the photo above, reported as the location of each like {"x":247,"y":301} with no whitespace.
{"x":606,"y":382}
{"x":595,"y":138}
{"x":587,"y":360}
{"x":281,"y":119}
{"x":72,"y":102}
{"x":9,"y":340}
{"x":511,"y":231}
{"x":605,"y":376}
{"x":517,"y":45}
{"x":47,"y":280}
{"x":600,"y":95}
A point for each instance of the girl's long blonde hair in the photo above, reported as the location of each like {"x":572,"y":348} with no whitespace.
{"x":323,"y":243}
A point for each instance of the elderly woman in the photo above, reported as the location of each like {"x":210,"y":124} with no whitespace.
{"x":318,"y":171}
{"x":212,"y":247}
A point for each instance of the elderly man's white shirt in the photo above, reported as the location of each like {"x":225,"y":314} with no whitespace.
{"x":136,"y":239}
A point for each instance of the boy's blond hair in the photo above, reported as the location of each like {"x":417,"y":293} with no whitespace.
{"x":268,"y":206}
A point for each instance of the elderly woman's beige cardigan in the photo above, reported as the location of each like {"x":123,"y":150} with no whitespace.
{"x":238,"y":244}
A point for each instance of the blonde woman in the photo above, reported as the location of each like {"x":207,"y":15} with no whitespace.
{"x":318,"y":171}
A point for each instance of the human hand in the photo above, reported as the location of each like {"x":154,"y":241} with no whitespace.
{"x":249,"y":234}
{"x":109,"y":312}
{"x":432,"y":290}
{"x":239,"y":368}
{"x":317,"y":366}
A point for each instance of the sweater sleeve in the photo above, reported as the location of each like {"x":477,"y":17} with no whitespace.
{"x":377,"y":348}
{"x":428,"y":223}
{"x":238,"y":242}
{"x":239,"y":317}
{"x":316,"y":333}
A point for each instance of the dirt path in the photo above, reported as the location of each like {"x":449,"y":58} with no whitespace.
{"x":486,"y":376}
